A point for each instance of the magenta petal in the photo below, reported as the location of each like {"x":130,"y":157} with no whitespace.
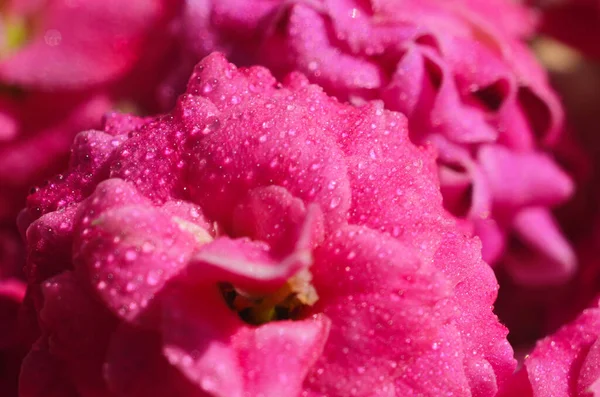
{"x":79,"y":329}
{"x":463,"y":184}
{"x":260,"y":142}
{"x":210,"y":345}
{"x":483,"y":336}
{"x":50,"y":241}
{"x":391,"y":320}
{"x":523,"y":179}
{"x":121,"y":124}
{"x":329,"y":67}
{"x":564,"y":364}
{"x":136,"y":367}
{"x":452,"y":118}
{"x":91,"y":150}
{"x":244,"y":185}
{"x":589,"y":376}
{"x":129,"y":251}
{"x":545,"y":256}
{"x":286,"y":350}
{"x":67,"y":312}
{"x":197,"y":337}
{"x":244,"y":263}
{"x":271,"y":214}
{"x":423,"y":88}
{"x":404,"y":91}
{"x":8,"y":125}
{"x":493,"y":239}
{"x":80,"y":44}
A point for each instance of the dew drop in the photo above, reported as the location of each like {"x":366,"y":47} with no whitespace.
{"x":130,"y":255}
{"x":209,"y":86}
{"x":153,"y":277}
{"x":212,"y":124}
{"x":335,"y":202}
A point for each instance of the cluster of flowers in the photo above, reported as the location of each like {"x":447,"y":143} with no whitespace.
{"x":332,"y":222}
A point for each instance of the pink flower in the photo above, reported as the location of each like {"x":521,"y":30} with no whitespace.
{"x":566,"y":364}
{"x":460,"y":73}
{"x":72,"y":45}
{"x":68,"y":63}
{"x":261,"y":239}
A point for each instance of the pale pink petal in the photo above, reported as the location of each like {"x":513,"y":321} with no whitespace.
{"x":523,"y":179}
{"x":543,"y":256}
{"x":129,"y":251}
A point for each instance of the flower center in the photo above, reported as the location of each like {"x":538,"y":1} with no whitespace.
{"x":15,"y":35}
{"x":287,"y":303}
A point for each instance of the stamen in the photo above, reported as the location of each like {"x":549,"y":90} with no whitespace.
{"x":284,"y":304}
{"x":16,"y":34}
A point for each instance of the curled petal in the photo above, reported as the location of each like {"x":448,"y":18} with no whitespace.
{"x":543,"y":256}
{"x":523,"y":179}
{"x":129,"y":251}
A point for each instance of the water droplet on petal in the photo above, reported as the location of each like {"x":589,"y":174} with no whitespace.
{"x":335,"y":202}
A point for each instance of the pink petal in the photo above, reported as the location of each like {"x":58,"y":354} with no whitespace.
{"x":546,"y":257}
{"x":82,"y":44}
{"x":293,"y":348}
{"x":244,"y":263}
{"x":223,"y":356}
{"x":128,"y":251}
{"x":120,"y":123}
{"x":136,"y":367}
{"x":391,"y":181}
{"x":564,"y":364}
{"x":79,"y":330}
{"x":491,"y":356}
{"x":140,"y":163}
{"x":50,"y":242}
{"x":523,"y":179}
{"x":392,"y":320}
{"x":493,"y":239}
{"x":589,"y":376}
{"x":271,"y":214}
{"x":268,"y":142}
{"x":306,"y":46}
{"x":91,"y":150}
{"x":463,"y":184}
{"x":439,"y":108}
